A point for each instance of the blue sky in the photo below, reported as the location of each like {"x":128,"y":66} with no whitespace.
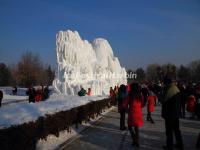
{"x":140,"y":31}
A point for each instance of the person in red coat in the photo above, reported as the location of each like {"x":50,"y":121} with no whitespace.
{"x":191,"y":105}
{"x":112,"y":93}
{"x":135,"y":103}
{"x":89,"y":93}
{"x":38,"y":95}
{"x":151,"y":100}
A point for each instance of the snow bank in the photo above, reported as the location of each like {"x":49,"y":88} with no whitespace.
{"x":90,"y":65}
{"x":19,"y":113}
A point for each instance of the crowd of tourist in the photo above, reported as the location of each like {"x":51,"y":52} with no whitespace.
{"x":174,"y":97}
{"x":37,"y":95}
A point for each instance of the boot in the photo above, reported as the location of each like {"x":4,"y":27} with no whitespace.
{"x":133,"y":138}
{"x":198,"y":142}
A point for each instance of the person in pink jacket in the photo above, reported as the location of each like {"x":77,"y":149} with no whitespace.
{"x":89,"y":93}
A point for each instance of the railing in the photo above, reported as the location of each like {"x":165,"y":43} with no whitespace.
{"x":25,"y":136}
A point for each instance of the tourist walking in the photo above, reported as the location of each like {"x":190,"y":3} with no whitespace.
{"x":191,"y":106}
{"x":198,"y":142}
{"x":145,"y":92}
{"x":197,"y":96}
{"x":151,"y":101}
{"x":121,"y":101}
{"x":182,"y":89}
{"x":1,"y":97}
{"x":171,"y":112}
{"x":134,"y":104}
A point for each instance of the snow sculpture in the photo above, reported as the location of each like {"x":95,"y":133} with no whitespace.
{"x":87,"y":65}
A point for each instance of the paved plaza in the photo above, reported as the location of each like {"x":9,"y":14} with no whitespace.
{"x":105,"y":134}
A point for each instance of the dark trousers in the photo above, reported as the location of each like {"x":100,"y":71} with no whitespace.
{"x":183,"y":110}
{"x":149,"y":118}
{"x":172,"y":126}
{"x":198,"y":142}
{"x":134,"y":131}
{"x":122,"y":119}
{"x":0,"y":102}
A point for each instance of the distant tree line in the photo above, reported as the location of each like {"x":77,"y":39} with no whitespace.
{"x":155,"y":72}
{"x":29,"y":71}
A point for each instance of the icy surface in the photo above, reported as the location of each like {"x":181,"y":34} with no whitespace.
{"x":19,"y":113}
{"x":85,"y":64}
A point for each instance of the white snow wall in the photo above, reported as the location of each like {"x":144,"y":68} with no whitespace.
{"x":90,"y":65}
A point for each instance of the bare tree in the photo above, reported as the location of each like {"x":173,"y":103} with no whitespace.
{"x":140,"y":74}
{"x":29,"y":69}
{"x":183,"y":73}
{"x":195,"y":70}
{"x":5,"y":75}
{"x":152,"y":72}
{"x":169,"y":70}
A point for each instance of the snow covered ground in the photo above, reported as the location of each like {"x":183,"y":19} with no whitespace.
{"x":8,"y":91}
{"x":19,"y":113}
{"x":8,"y":98}
{"x":16,"y":112}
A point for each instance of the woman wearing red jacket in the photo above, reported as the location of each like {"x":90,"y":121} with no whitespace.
{"x":191,"y":105}
{"x":135,"y":103}
{"x":112,"y":93}
{"x":151,"y":100}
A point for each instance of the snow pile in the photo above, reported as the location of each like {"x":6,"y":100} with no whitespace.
{"x":90,"y":65}
{"x":19,"y":113}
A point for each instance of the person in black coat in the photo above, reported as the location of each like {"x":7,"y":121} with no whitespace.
{"x":1,"y":97}
{"x":183,"y":97}
{"x":197,"y":96}
{"x":170,"y":112}
{"x":14,"y":90}
{"x":145,"y":93}
{"x":31,"y":93}
{"x":122,"y":96}
{"x":46,"y":93}
{"x":198,"y":142}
